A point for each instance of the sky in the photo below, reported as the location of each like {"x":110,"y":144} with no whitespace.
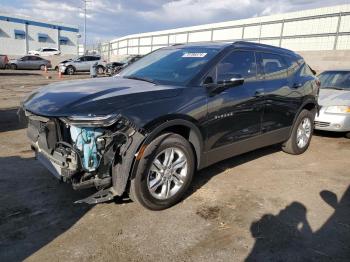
{"x":110,"y":19}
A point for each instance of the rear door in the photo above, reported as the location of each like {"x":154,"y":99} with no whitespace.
{"x":282,"y":97}
{"x":92,"y":60}
{"x":85,"y":65}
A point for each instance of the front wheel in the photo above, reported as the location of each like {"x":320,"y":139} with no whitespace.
{"x":301,"y":134}
{"x":70,"y":70}
{"x":164,"y":172}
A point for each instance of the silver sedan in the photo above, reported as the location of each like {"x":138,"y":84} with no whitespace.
{"x":334,"y":100}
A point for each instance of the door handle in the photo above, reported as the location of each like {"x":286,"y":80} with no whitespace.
{"x":259,"y":93}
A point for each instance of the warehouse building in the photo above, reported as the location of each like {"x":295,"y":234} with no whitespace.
{"x":18,"y":35}
{"x":309,"y":30}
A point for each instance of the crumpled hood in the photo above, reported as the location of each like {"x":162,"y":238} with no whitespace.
{"x":94,"y":96}
{"x":333,"y":97}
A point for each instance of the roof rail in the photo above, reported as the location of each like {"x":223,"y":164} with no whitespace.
{"x":246,"y":43}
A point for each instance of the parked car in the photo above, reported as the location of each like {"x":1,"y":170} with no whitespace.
{"x":3,"y":61}
{"x":29,"y":62}
{"x":176,"y":110}
{"x":334,"y":100}
{"x":45,"y":51}
{"x":83,"y":64}
{"x":114,"y":67}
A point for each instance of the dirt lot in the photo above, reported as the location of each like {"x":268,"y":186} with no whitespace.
{"x":262,"y":206}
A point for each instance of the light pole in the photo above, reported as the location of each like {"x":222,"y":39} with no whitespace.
{"x":85,"y":2}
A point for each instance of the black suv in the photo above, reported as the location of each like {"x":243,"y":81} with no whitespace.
{"x":175,"y":111}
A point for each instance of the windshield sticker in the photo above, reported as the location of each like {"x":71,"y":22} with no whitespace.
{"x":199,"y":55}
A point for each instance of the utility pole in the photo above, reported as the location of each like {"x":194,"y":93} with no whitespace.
{"x":85,"y":2}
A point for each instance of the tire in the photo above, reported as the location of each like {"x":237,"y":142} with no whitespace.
{"x":347,"y":135}
{"x":42,"y":67}
{"x":13,"y":66}
{"x":56,"y":68}
{"x":291,"y":146}
{"x":70,"y":70}
{"x":140,"y":191}
{"x":100,"y":70}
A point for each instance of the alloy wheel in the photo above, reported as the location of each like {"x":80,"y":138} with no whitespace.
{"x":167,"y":173}
{"x":304,"y":133}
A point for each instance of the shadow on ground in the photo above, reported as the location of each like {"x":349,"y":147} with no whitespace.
{"x":288,"y":235}
{"x":34,"y":209}
{"x":9,"y":120}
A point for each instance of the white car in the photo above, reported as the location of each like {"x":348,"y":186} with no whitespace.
{"x":334,"y":101}
{"x":45,"y":51}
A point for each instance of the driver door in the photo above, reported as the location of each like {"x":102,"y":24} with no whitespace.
{"x":235,"y":114}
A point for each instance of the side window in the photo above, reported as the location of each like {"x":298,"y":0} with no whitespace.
{"x":25,"y":58}
{"x":83,"y":59}
{"x":273,"y":66}
{"x":292,"y":64}
{"x":305,"y":70}
{"x":237,"y":64}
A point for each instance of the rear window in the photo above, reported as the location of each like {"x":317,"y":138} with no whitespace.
{"x":273,"y":66}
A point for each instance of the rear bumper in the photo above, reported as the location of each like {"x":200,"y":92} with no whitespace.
{"x":332,"y":122}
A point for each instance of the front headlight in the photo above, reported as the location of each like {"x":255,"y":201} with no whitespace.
{"x":338,"y":109}
{"x":91,"y":120}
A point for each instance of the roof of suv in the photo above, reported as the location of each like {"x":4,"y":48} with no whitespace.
{"x":243,"y":44}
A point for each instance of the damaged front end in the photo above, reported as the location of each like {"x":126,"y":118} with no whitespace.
{"x":87,"y":152}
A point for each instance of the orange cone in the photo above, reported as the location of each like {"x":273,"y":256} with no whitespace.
{"x":59,"y":74}
{"x":45,"y":69}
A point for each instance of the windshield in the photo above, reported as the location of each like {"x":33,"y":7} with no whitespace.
{"x":170,"y":66}
{"x":39,"y":49}
{"x":336,"y":80}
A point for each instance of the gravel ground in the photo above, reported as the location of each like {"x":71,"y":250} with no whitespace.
{"x":262,"y":206}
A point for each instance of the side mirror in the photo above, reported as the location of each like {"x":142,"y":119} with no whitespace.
{"x":224,"y":84}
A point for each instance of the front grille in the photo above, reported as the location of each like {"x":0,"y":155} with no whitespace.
{"x":322,"y":124}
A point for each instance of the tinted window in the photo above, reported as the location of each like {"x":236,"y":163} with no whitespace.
{"x":273,"y":66}
{"x":336,"y":79}
{"x":306,"y":70}
{"x":237,"y":64}
{"x":25,"y":58}
{"x":171,"y":65}
{"x":292,"y":64}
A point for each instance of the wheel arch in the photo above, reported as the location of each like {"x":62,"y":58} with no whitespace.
{"x":310,"y":105}
{"x":181,"y":125}
{"x":75,"y":70}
